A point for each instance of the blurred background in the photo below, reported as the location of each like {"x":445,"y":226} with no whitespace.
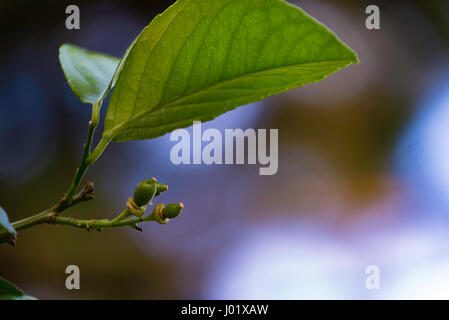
{"x":363,"y":169}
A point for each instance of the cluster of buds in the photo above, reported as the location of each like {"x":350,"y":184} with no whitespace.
{"x":144,"y":194}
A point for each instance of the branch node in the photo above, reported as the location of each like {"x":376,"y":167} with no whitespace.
{"x":52,"y":218}
{"x":12,"y":241}
{"x":86,"y":194}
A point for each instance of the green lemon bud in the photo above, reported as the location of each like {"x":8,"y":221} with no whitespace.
{"x":160,"y":188}
{"x":172,"y":210}
{"x":144,"y":192}
{"x":158,"y":215}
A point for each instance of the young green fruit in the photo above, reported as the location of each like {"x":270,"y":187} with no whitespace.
{"x":172,"y":210}
{"x":145,"y":192}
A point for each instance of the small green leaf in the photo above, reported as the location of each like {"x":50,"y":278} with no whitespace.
{"x":88,"y":73}
{"x":4,"y":222}
{"x":9,"y":292}
{"x":200,"y":59}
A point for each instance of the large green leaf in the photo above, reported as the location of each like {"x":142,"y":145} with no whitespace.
{"x":88,"y":73}
{"x":200,"y":59}
{"x":4,"y":222}
{"x":9,"y":292}
{"x":122,"y":63}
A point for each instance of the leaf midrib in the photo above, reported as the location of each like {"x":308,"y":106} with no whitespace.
{"x":112,"y":133}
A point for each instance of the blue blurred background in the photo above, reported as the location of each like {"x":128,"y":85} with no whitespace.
{"x":363,"y":169}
